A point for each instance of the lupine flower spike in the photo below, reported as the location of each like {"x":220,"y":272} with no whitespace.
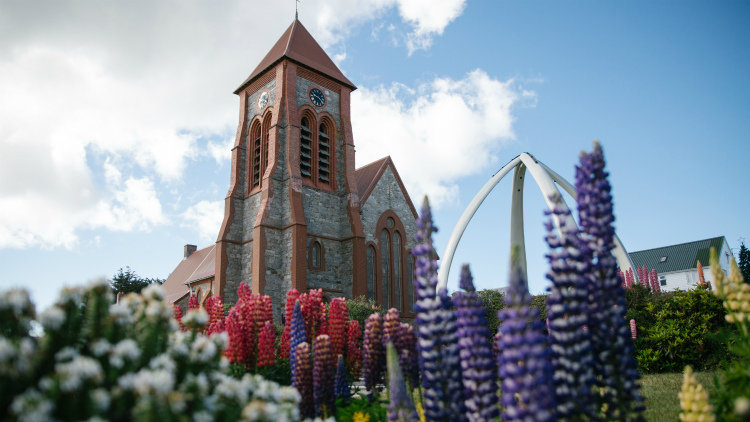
{"x":701,"y":276}
{"x":298,"y":335}
{"x":266,"y":340}
{"x":442,"y":388}
{"x":633,"y":329}
{"x":323,"y":376}
{"x":284,"y":347}
{"x":353,"y":349}
{"x":341,"y":385}
{"x":615,"y":368}
{"x":570,"y":344}
{"x":524,"y":367}
{"x":400,"y":407}
{"x":178,"y":316}
{"x":302,"y":380}
{"x":694,"y":400}
{"x":338,"y":316}
{"x":373,"y":354}
{"x":478,"y":364}
{"x":734,"y":292}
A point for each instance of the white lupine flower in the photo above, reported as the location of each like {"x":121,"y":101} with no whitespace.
{"x":121,"y":314}
{"x":100,"y":347}
{"x":72,"y":374}
{"x":17,"y":299}
{"x":7,"y":350}
{"x":159,"y":382}
{"x":203,"y":349}
{"x":265,"y":390}
{"x":158,"y":309}
{"x":66,"y":354}
{"x":71,"y":295}
{"x":32,"y":406}
{"x":95,"y":419}
{"x":101,"y":399}
{"x":180,"y":344}
{"x":127,"y":381}
{"x":27,"y":347}
{"x":220,"y":339}
{"x":232,"y":389}
{"x":153,"y":292}
{"x":203,"y":416}
{"x":289,"y":395}
{"x":259,"y":410}
{"x":195,"y":318}
{"x":163,"y":361}
{"x":126,"y":349}
{"x":52,"y":318}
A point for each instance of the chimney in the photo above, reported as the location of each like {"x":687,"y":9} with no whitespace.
{"x":189,"y":249}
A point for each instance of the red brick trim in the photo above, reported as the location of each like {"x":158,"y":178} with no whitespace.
{"x":319,"y":79}
{"x":259,"y":83}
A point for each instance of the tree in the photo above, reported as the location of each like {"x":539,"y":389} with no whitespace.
{"x":127,"y":281}
{"x":744,"y":263}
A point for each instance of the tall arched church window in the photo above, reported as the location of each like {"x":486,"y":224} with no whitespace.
{"x":266,"y":133}
{"x":410,"y":280}
{"x":324,"y":154}
{"x":255,"y":155}
{"x":397,"y":277}
{"x":316,"y":259}
{"x":385,"y":266}
{"x":372,"y":274}
{"x":305,"y":149}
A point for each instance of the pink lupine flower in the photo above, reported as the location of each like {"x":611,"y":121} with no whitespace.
{"x":338,"y":316}
{"x":193,"y":302}
{"x":353,"y":350}
{"x":266,"y":339}
{"x":633,"y":330}
{"x":291,"y":297}
{"x":178,"y":316}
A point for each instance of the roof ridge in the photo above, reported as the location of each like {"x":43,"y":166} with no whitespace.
{"x":679,"y":244}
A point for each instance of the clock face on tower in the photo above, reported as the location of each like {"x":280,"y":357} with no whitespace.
{"x":317,"y":98}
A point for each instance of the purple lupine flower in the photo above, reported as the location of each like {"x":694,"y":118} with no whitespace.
{"x":615,"y":368}
{"x":407,"y":358}
{"x":323,"y":376}
{"x":523,"y":364}
{"x":297,"y":335}
{"x":567,"y":311}
{"x":442,"y":390}
{"x":302,"y":380}
{"x":400,"y":407}
{"x":478,"y":364}
{"x":341,"y":384}
{"x":391,"y":327}
{"x":373,"y":354}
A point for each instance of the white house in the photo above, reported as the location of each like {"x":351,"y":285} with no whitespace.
{"x":677,"y":265}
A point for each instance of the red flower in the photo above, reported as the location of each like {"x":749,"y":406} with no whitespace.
{"x":338,"y":316}
{"x":178,"y":316}
{"x":354,"y":352}
{"x":266,"y":339}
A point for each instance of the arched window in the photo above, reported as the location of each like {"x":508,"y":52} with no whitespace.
{"x":266,"y":132}
{"x":316,"y":257}
{"x":385,"y":266}
{"x":305,"y":149}
{"x":397,"y":270}
{"x":372,"y":274}
{"x":254,"y":155}
{"x":324,"y":154}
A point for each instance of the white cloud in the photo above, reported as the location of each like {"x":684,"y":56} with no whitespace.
{"x":206,"y":216}
{"x":221,"y":152}
{"x":438,"y":133}
{"x":135,"y":206}
{"x":428,"y":18}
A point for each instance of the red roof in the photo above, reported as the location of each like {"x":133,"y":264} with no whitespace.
{"x":200,"y":265}
{"x":299,"y":46}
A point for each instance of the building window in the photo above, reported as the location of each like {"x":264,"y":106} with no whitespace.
{"x":324,"y":155}
{"x":385,"y":266}
{"x":663,"y":259}
{"x":397,"y":271}
{"x":305,"y":149}
{"x":255,"y":156}
{"x":264,"y":151}
{"x":315,"y":259}
{"x":662,"y":280}
{"x":371,"y":272}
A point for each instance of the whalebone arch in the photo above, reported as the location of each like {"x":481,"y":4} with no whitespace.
{"x":548,"y":182}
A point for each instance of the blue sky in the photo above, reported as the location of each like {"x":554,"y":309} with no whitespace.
{"x":115,"y":119}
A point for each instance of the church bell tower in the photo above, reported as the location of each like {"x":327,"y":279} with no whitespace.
{"x":292,"y":213}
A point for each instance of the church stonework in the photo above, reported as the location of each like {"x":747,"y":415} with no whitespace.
{"x":298,"y":214}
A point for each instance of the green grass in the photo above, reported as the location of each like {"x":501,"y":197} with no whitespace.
{"x":660,"y":392}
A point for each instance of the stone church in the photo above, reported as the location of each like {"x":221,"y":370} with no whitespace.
{"x":299,"y":214}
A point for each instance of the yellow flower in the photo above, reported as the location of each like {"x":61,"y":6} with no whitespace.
{"x":420,"y":412}
{"x":361,"y":417}
{"x":734,"y":292}
{"x":694,"y":400}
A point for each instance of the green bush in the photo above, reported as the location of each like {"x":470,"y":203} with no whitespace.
{"x":360,"y":308}
{"x":677,"y":329}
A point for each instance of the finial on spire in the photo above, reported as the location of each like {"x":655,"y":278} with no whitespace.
{"x":296,"y":15}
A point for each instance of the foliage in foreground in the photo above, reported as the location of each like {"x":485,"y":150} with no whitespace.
{"x":125,"y":361}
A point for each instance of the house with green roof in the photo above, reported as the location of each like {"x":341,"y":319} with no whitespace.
{"x":677,"y":265}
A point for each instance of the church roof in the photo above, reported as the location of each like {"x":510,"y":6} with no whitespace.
{"x":200,"y":265}
{"x":368,"y":175}
{"x":298,"y":45}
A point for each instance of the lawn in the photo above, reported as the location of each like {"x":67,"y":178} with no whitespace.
{"x":660,"y":391}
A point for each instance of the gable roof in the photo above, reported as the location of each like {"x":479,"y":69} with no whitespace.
{"x":678,"y":257}
{"x":367,"y":176}
{"x":200,"y":265}
{"x":298,"y":45}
